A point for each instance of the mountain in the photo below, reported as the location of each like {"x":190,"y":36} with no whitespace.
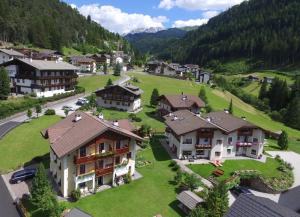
{"x":156,"y":42}
{"x":146,"y":30}
{"x":262,"y":30}
{"x":53,"y":24}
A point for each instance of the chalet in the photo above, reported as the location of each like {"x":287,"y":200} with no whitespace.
{"x":249,"y":205}
{"x":154,"y":67}
{"x":123,"y":97}
{"x":100,"y":59}
{"x":203,"y":77}
{"x":171,"y":103}
{"x":192,"y":68}
{"x":44,"y":78}
{"x":9,"y":54}
{"x":85,"y":64}
{"x":215,"y":136}
{"x":46,"y":54}
{"x":87,"y":152}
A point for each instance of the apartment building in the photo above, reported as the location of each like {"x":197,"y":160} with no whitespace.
{"x":122,"y":97}
{"x":44,"y":78}
{"x":9,"y":54}
{"x":85,"y":64}
{"x":215,"y":136}
{"x":88,"y":152}
{"x":172,"y":103}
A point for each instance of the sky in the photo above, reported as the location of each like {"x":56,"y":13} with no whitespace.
{"x":124,"y":16}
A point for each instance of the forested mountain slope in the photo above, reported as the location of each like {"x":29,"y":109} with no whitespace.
{"x":52,"y":24}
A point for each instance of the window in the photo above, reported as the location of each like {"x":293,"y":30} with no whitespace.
{"x":186,"y":153}
{"x":82,"y":169}
{"x":109,"y":102}
{"x":129,"y":155}
{"x":118,"y":144}
{"x":206,"y":140}
{"x":188,"y":141}
{"x":219,"y":142}
{"x":253,"y":152}
{"x":200,"y":152}
{"x":82,"y":152}
{"x":82,"y":185}
{"x":117,"y":160}
{"x":217,"y":154}
{"x":229,"y":140}
{"x":101,"y":147}
{"x":229,"y":151}
{"x":255,"y":139}
{"x":105,"y":101}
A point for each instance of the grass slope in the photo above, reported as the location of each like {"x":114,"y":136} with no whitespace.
{"x":148,"y":196}
{"x":24,"y":143}
{"x":268,"y":169}
{"x":94,"y":82}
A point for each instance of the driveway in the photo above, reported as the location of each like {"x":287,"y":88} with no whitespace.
{"x":7,"y":208}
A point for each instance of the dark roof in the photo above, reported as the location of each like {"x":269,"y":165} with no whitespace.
{"x":77,"y":213}
{"x":12,"y":52}
{"x":189,"y":199}
{"x":253,"y":206}
{"x":50,"y":52}
{"x":184,"y":121}
{"x":43,"y":64}
{"x":68,"y":135}
{"x":128,"y":87}
{"x":228,"y":122}
{"x":183,"y":101}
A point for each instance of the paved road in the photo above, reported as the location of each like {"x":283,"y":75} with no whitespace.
{"x":7,"y":208}
{"x":5,"y":128}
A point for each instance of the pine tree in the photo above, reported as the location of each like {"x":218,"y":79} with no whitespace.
{"x":296,"y":88}
{"x":117,"y":70}
{"x":38,"y":110}
{"x":109,"y":83}
{"x":198,"y":212}
{"x":283,"y":141}
{"x":4,"y":84}
{"x":202,"y":95}
{"x":292,"y":118}
{"x":154,"y":97}
{"x":263,"y":92}
{"x":230,"y":108}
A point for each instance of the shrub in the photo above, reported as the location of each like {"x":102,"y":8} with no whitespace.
{"x":145,"y":130}
{"x":75,"y":194}
{"x":33,"y":94}
{"x":172,"y":163}
{"x":50,"y":112}
{"x":176,"y":167}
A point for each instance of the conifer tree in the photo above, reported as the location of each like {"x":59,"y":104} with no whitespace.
{"x":4,"y":84}
{"x":230,"y":108}
{"x":154,"y":97}
{"x":109,"y":83}
{"x":283,"y":141}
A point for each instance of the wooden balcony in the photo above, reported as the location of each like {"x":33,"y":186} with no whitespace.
{"x":104,"y":171}
{"x":104,"y":155}
{"x":203,"y":146}
{"x":86,"y":159}
{"x":246,"y":144}
{"x":124,"y":150}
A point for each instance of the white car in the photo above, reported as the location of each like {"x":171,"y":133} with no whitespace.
{"x":69,"y":108}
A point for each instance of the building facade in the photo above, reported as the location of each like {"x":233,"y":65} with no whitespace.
{"x":9,"y":54}
{"x":87,"y":153}
{"x":122,"y":97}
{"x":44,"y":78}
{"x":171,"y":103}
{"x":85,"y":64}
{"x":216,"y":136}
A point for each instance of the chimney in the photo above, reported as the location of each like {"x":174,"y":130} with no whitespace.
{"x":101,"y":116}
{"x":77,"y":117}
{"x":116,"y":123}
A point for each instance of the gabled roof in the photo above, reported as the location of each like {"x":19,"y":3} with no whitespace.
{"x":189,"y":199}
{"x":12,"y":52}
{"x":253,"y":206}
{"x":68,"y":135}
{"x":184,"y":121}
{"x":183,"y":101}
{"x":127,"y":87}
{"x":228,"y":122}
{"x":43,"y":64}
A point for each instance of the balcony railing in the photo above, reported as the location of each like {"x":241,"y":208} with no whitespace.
{"x":123,"y":150}
{"x":203,"y":146}
{"x":104,"y":155}
{"x":247,"y":144}
{"x":86,"y":159}
{"x":104,"y":171}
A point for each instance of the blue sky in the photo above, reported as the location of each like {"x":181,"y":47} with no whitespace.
{"x":123,"y":16}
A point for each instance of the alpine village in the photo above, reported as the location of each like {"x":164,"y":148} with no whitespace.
{"x":157,"y":108}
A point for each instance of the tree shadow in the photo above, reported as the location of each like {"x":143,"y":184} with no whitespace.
{"x":44,"y":159}
{"x":154,"y":115}
{"x":174,"y":205}
{"x":160,"y":154}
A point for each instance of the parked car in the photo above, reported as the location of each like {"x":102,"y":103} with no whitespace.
{"x":22,"y":175}
{"x":237,"y":190}
{"x":69,"y":108}
{"x":82,"y":101}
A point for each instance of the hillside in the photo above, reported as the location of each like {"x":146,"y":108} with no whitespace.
{"x":265,"y":31}
{"x":53,"y":24}
{"x":155,"y":43}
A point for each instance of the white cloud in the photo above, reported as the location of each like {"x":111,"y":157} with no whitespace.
{"x":191,"y":22}
{"x":198,"y":4}
{"x":118,"y":21}
{"x":210,"y":14}
{"x":73,"y":6}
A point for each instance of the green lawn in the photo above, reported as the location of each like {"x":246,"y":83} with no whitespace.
{"x":146,"y":197}
{"x":24,"y":143}
{"x":94,"y":82}
{"x":268,"y":169}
